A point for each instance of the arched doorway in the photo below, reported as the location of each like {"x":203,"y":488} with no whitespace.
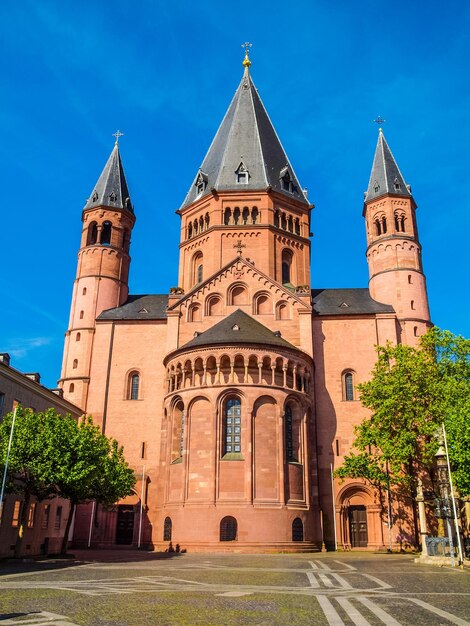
{"x":358,"y":516}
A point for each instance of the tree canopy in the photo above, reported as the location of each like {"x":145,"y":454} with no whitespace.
{"x":53,"y":455}
{"x":411,"y":393}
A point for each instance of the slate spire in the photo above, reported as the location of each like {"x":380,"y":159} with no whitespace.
{"x":385,"y":177}
{"x":246,"y":153}
{"x":111,"y":189}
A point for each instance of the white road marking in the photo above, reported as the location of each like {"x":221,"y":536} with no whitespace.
{"x":346,"y":565}
{"x":377,"y":611}
{"x":325,"y":580}
{"x":378,"y":581}
{"x":312,"y":565}
{"x":352,"y":612}
{"x":235,"y":594}
{"x":343,"y":583}
{"x":330,"y":612}
{"x":38,"y":619}
{"x":323,"y":566}
{"x":312,"y":579}
{"x":448,"y":616}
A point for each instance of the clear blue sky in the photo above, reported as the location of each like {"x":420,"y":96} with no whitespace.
{"x":164,"y":73}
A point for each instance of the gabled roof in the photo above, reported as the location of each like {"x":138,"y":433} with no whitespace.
{"x":145,"y":307}
{"x":245,"y":137}
{"x":238,"y":263}
{"x":347,"y":302}
{"x":238,"y":328}
{"x":385,"y":176}
{"x":111,"y":189}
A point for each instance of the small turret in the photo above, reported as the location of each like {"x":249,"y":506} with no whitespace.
{"x":393,"y":250}
{"x":102,"y":272}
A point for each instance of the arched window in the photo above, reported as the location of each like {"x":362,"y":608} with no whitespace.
{"x":81,"y":314}
{"x":227,"y":216}
{"x":276,"y":219}
{"x":177,"y":443}
{"x":92,"y":234}
{"x":71,"y":388}
{"x":190,"y":230}
{"x":167,"y":527}
{"x":283,"y":311}
{"x":75,"y":364}
{"x":236,"y":215}
{"x":297,"y":530}
{"x":106,"y":233}
{"x":283,"y":221}
{"x":286,"y":266}
{"x":207,"y":220}
{"x":288,"y":433}
{"x":254,"y":215}
{"x":348,"y":386}
{"x":378,"y":229}
{"x":262,"y":304}
{"x":232,"y":426}
{"x":84,"y":291}
{"x":237,"y":295}
{"x":77,"y":337}
{"x":198,"y":268}
{"x":194,"y":313}
{"x":133,"y":386}
{"x":245,"y":215}
{"x":228,"y":529}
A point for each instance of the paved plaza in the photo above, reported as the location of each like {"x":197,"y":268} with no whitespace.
{"x":140,"y":589}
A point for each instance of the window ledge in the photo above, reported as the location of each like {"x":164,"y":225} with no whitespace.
{"x":233,"y":456}
{"x":295,"y":463}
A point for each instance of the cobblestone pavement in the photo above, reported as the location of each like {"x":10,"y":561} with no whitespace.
{"x":129,"y":588}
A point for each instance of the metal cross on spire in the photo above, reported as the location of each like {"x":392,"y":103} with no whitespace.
{"x":118,"y":134}
{"x":379,"y":120}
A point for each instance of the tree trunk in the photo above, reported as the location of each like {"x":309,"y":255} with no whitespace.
{"x":63,"y":549}
{"x":23,"y":522}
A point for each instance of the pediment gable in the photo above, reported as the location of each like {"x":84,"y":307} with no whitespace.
{"x":240,"y":271}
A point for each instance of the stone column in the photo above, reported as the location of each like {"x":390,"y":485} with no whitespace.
{"x":423,"y":529}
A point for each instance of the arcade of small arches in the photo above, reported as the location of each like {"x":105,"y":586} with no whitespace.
{"x":241,"y":216}
{"x":286,"y":222}
{"x":237,"y":295}
{"x":102,"y":234}
{"x":249,"y":368}
{"x":380,"y":223}
{"x":197,"y":226}
{"x":228,"y":529}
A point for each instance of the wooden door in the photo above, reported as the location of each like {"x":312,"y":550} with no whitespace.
{"x":358,"y":526}
{"x":125,"y":524}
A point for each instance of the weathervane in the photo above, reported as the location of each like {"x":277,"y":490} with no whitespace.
{"x":118,"y":134}
{"x":379,"y":120}
{"x":246,"y":61}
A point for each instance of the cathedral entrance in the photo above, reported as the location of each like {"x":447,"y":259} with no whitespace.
{"x":125,"y":524}
{"x":357,"y":516}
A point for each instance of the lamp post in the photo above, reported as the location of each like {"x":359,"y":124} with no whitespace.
{"x":443,"y":506}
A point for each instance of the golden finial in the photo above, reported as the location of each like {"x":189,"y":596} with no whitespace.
{"x":246,"y":61}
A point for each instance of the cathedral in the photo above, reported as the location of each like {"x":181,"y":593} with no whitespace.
{"x":234,"y":394}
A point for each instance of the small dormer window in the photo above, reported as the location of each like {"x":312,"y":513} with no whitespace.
{"x":396,"y":184}
{"x":113,"y":196}
{"x":376,"y":186}
{"x":242,"y":174}
{"x":201,"y":183}
{"x":286,"y":180}
{"x":94,"y":197}
{"x":235,"y":327}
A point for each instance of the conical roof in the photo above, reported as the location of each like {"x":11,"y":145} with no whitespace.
{"x":246,"y":152}
{"x":111,"y":189}
{"x":238,"y":328}
{"x":385,"y":176}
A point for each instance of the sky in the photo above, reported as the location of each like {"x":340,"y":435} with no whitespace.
{"x":164,"y":74}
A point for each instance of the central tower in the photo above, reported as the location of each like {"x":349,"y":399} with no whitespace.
{"x":245,"y":197}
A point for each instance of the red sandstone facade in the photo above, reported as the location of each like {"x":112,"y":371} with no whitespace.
{"x":234,"y":395}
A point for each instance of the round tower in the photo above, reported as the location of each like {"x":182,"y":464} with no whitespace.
{"x":393,"y":247}
{"x":102,"y":273}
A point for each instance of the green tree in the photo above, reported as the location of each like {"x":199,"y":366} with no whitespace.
{"x":53,"y":455}
{"x":410,"y":394}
